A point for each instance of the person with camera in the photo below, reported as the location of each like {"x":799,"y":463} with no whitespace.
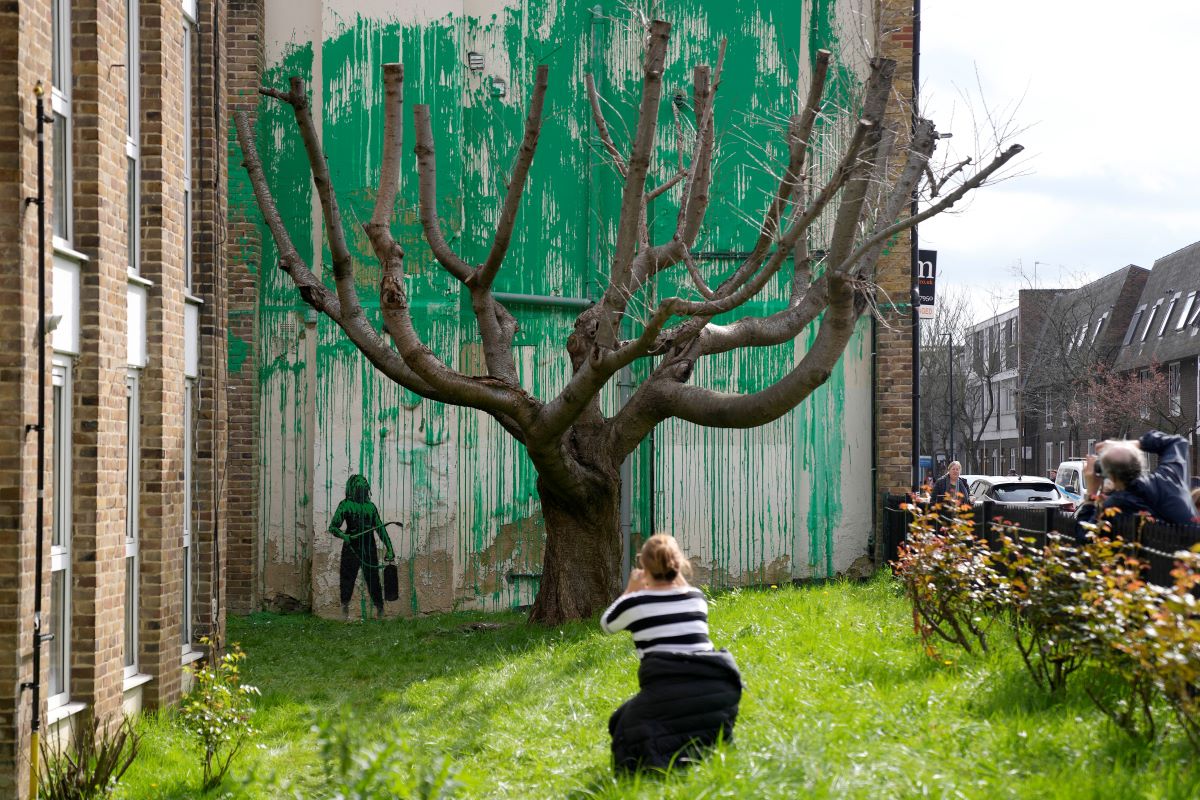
{"x":689,"y":692}
{"x":1162,"y":493}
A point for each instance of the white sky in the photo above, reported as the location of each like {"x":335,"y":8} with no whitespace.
{"x":1111,"y":169}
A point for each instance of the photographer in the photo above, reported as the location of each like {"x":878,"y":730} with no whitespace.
{"x":1162,"y":494}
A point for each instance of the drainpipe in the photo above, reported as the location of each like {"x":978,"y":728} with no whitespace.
{"x":35,"y":685}
{"x":548,"y":300}
{"x":916,"y":299}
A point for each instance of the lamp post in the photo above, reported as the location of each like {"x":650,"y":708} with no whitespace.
{"x":950,"y":370}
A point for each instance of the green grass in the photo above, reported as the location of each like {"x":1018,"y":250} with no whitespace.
{"x":840,"y":701}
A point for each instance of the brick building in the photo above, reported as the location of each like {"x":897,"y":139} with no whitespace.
{"x":134,"y":353}
{"x":1082,"y":333}
{"x":1164,"y":333}
{"x":997,"y":358}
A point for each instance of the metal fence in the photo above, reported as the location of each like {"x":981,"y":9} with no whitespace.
{"x":1159,"y":542}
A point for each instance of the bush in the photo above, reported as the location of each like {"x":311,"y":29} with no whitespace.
{"x":1047,"y":588}
{"x":91,"y":764}
{"x":217,"y":712}
{"x":949,"y":580}
{"x":389,"y":768}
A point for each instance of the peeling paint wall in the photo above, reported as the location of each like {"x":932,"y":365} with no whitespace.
{"x":788,"y":500}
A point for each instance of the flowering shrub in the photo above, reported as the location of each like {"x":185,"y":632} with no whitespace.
{"x":948,"y":578}
{"x":1069,"y":603}
{"x":217,"y":712}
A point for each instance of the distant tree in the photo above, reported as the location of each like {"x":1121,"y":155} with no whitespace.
{"x":576,"y":449}
{"x":1121,"y":405}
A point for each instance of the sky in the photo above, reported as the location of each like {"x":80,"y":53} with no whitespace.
{"x":1103,"y":97}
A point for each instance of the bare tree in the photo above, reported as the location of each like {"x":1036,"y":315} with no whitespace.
{"x":575,"y":448}
{"x":1124,"y":404}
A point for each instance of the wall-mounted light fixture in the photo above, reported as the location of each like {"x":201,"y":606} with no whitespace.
{"x":474,"y":61}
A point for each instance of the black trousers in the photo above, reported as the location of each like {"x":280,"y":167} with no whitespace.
{"x":360,"y":554}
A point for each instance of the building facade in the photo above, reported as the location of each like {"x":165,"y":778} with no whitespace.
{"x":1078,"y":342}
{"x":134,"y":353}
{"x":309,"y":412}
{"x":1163,"y":335}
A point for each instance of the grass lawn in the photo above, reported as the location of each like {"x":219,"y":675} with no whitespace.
{"x":840,"y":701}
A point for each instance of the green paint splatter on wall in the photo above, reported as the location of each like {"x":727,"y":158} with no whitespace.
{"x":455,"y":477}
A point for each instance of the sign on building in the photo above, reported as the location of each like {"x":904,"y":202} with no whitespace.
{"x":926,"y":275}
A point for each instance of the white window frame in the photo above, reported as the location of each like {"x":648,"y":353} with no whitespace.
{"x":186,"y":621}
{"x":133,"y":135}
{"x":1175,"y":388}
{"x":132,"y":510}
{"x":1187,"y":307}
{"x":61,"y":524}
{"x":1150,"y":320}
{"x":189,"y":74}
{"x":1049,"y":455}
{"x":1099,"y":325}
{"x":1049,"y":411}
{"x":60,"y":104}
{"x":1133,"y":324}
{"x":1167,"y":316}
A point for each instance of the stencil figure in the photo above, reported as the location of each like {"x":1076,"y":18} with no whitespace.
{"x":359,"y":552}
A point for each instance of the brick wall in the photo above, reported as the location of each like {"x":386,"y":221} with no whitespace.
{"x":98,"y":529}
{"x":162,"y":381}
{"x":209,"y":163}
{"x":98,"y":447}
{"x":24,"y":48}
{"x":244,"y":40}
{"x":893,"y":340}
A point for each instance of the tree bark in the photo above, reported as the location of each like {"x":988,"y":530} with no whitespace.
{"x":581,"y":571}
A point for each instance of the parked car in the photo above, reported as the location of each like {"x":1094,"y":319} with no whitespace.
{"x":1069,"y":479}
{"x":1023,"y":491}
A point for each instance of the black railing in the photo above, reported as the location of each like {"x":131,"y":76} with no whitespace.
{"x":1159,"y":541}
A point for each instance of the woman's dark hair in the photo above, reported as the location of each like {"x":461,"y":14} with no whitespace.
{"x":358,"y":489}
{"x":662,"y":558}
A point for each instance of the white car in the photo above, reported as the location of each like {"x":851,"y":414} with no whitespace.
{"x":1023,"y":491}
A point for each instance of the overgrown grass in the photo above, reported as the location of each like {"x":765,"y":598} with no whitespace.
{"x":840,"y":702}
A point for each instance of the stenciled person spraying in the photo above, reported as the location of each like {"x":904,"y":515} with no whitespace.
{"x":359,"y":552}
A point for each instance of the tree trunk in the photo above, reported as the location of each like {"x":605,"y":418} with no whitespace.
{"x":581,"y":571}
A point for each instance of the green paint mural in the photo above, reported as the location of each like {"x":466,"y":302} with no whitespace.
{"x":356,"y":522}
{"x":764,"y":504}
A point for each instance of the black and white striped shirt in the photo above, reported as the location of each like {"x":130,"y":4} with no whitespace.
{"x":661,"y":620}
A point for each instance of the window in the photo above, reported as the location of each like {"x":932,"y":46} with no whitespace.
{"x":189,"y":66}
{"x":1133,"y":324}
{"x":132,"y":508}
{"x":60,"y":104}
{"x":1012,"y":458}
{"x":59,"y":622}
{"x":1174,"y":386}
{"x":1150,"y":321}
{"x":1099,"y":325}
{"x":1183,"y":315}
{"x":1049,"y":411}
{"x":132,"y":130}
{"x":189,"y":423}
{"x":1167,"y":316}
{"x":1049,"y":455}
{"x":1195,"y":315}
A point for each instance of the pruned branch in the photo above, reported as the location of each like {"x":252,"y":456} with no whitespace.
{"x":602,"y":126}
{"x":343,"y":263}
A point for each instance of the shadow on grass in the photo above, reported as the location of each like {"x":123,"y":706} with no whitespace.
{"x":355,"y":666}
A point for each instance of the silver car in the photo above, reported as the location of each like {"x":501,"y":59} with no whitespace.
{"x":1021,"y":491}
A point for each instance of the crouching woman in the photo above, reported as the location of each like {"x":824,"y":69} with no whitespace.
{"x":689,"y":693}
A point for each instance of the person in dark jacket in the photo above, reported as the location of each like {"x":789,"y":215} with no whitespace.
{"x":1162,"y":494}
{"x":688,"y":693}
{"x":951,"y":483}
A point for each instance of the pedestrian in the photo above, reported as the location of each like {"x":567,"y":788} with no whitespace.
{"x":359,"y":551}
{"x":951,"y":484}
{"x":1162,"y":494}
{"x":688,"y":693}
